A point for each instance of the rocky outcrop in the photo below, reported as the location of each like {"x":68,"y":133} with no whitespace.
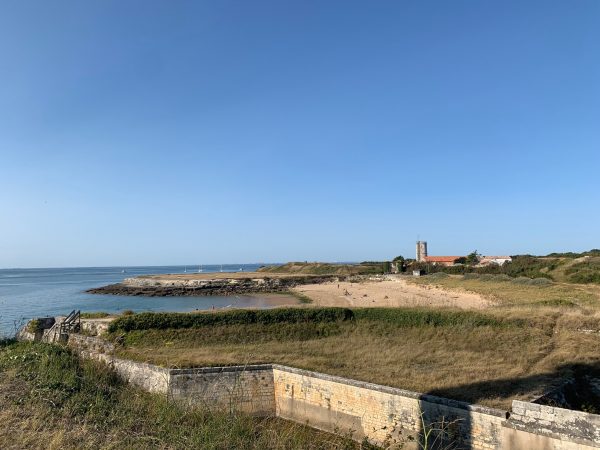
{"x":157,"y":287}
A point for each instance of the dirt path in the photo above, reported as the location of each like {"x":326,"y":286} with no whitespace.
{"x":390,"y":293}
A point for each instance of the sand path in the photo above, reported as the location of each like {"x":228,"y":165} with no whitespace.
{"x":389,"y":293}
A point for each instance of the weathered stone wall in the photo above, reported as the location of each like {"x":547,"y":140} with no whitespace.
{"x":90,"y":344}
{"x":538,"y":426}
{"x":379,"y":413}
{"x":95,"y":327}
{"x":240,"y":388}
{"x":24,"y":335}
{"x":147,"y":376}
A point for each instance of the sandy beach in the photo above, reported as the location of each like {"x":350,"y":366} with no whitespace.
{"x":389,"y":293}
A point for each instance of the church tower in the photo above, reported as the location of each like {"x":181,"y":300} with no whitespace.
{"x":421,"y":251}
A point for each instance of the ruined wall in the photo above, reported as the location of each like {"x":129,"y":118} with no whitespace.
{"x":239,"y":388}
{"x":378,"y":412}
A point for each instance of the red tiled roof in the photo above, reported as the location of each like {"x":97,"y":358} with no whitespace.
{"x":441,"y":258}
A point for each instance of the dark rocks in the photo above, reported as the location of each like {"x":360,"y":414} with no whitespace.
{"x":206,"y":287}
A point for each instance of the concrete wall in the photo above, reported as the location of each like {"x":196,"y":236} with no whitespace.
{"x":380,"y":413}
{"x":239,"y":388}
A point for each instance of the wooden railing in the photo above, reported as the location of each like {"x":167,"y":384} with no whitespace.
{"x":71,"y":323}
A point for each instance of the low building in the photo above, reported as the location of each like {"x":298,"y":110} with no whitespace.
{"x":500,"y":260}
{"x":441,"y":260}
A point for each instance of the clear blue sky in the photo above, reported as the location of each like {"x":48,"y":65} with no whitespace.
{"x":146,"y":132}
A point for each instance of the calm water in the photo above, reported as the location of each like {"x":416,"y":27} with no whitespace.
{"x":28,"y":293}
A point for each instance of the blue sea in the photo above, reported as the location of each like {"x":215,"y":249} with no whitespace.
{"x":29,"y":293}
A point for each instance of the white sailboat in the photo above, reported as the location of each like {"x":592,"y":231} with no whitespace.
{"x":200,"y":269}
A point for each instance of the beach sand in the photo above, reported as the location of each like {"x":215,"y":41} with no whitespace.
{"x":389,"y":293}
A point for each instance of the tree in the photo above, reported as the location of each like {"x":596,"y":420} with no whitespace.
{"x":400,"y":263}
{"x":472,"y":258}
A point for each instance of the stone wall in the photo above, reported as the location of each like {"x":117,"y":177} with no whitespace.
{"x":536,"y":426}
{"x":147,"y":376}
{"x":380,"y":413}
{"x":240,"y":388}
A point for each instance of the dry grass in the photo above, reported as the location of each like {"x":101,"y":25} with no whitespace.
{"x":511,"y":293}
{"x":481,"y":364}
{"x":553,"y":329}
{"x":49,"y":399}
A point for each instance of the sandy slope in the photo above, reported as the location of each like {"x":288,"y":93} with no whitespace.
{"x":393,"y":292}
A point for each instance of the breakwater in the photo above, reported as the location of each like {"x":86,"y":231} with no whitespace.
{"x":209,"y":284}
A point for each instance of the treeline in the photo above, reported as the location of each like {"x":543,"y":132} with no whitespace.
{"x":520,"y":266}
{"x":585,"y":271}
{"x":592,"y":252}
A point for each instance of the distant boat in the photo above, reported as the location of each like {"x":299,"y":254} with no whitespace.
{"x":221,"y":267}
{"x":200,"y":269}
{"x":185,"y":270}
{"x":123,"y":271}
{"x":241,"y":270}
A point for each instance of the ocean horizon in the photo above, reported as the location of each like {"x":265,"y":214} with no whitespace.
{"x":26,"y":293}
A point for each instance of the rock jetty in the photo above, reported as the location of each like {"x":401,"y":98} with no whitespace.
{"x":210,"y":284}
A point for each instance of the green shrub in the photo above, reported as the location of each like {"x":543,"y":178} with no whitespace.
{"x":409,"y":317}
{"x":128,"y":312}
{"x":162,"y":321}
{"x":94,"y":315}
{"x":405,"y":317}
{"x":585,"y":271}
{"x":34,"y":326}
{"x":585,"y":277}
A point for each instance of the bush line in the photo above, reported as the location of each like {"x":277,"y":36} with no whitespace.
{"x":408,"y":317}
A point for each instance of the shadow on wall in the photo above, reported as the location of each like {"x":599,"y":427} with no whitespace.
{"x":568,"y":386}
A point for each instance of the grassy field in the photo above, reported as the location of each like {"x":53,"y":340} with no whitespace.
{"x":488,"y":358}
{"x":50,"y":399}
